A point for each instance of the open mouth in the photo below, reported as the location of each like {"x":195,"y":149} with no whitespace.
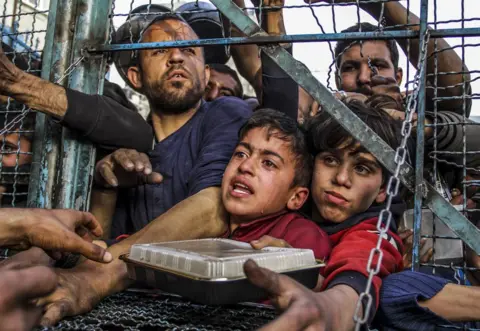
{"x":241,"y":188}
{"x":177,"y":74}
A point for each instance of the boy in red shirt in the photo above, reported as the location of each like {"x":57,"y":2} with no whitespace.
{"x":348,"y":190}
{"x":266,"y":182}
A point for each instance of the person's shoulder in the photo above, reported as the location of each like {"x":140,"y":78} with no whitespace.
{"x":227,"y":107}
{"x":295,"y":219}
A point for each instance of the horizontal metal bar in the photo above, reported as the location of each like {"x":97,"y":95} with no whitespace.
{"x":445,"y":33}
{"x":264,"y":40}
{"x":259,"y":39}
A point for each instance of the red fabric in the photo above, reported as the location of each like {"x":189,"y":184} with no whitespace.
{"x":351,"y":250}
{"x":292,"y":227}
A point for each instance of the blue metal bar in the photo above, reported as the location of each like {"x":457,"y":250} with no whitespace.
{"x":420,"y":148}
{"x":46,"y":146}
{"x":361,"y":132}
{"x":265,"y":39}
{"x":78,"y":154}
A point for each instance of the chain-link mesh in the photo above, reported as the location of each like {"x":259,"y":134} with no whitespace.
{"x":23,"y":27}
{"x":455,"y":172}
{"x":141,"y":312}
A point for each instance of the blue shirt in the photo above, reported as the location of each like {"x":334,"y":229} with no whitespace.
{"x":191,"y":159}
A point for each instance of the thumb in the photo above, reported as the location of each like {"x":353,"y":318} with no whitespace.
{"x":274,"y":284}
{"x":91,"y":251}
{"x":153,"y":178}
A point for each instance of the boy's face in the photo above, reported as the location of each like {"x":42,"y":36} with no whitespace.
{"x":346,"y":181}
{"x":355,"y":71}
{"x":258,"y":179}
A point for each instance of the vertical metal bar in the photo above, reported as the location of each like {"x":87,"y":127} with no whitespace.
{"x":56,"y":58}
{"x":78,"y":154}
{"x":420,"y":150}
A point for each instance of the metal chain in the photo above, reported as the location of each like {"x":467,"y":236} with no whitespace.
{"x":26,"y":111}
{"x":393,"y":186}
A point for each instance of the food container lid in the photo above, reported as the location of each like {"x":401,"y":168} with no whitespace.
{"x":218,"y":258}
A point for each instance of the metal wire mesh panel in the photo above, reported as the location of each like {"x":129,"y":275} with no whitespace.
{"x":130,"y":311}
{"x":23,"y":26}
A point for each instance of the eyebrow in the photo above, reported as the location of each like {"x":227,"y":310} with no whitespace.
{"x":262,"y":152}
{"x":350,"y":62}
{"x":363,"y":159}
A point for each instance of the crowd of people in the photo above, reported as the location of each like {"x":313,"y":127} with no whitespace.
{"x":271,"y":169}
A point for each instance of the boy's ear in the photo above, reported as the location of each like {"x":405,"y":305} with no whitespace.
{"x":382,"y":195}
{"x":298,"y":198}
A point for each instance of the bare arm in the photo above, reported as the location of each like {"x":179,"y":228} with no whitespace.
{"x":246,"y":57}
{"x":102,"y":206}
{"x":302,"y":308}
{"x":447,"y":61}
{"x":455,"y":303}
{"x":32,"y":91}
{"x":199,"y":216}
{"x":101,"y":119}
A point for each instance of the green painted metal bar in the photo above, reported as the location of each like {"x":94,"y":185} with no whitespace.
{"x":302,"y":75}
{"x":78,"y":154}
{"x":46,"y":147}
{"x":264,"y":40}
{"x":420,"y":146}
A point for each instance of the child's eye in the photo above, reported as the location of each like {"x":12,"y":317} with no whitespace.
{"x":240,"y":155}
{"x":362,"y":170}
{"x":189,"y":50}
{"x":330,"y":160}
{"x":269,"y":164}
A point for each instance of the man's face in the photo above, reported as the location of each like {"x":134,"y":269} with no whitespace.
{"x":173,"y":79}
{"x":346,"y":182}
{"x":221,"y":85}
{"x":355,"y":73}
{"x":15,"y":146}
{"x":258,"y":179}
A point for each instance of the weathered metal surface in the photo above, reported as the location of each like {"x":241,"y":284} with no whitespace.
{"x":78,"y":154}
{"x":420,"y":147}
{"x":369,"y":139}
{"x":46,"y":147}
{"x":394,"y":34}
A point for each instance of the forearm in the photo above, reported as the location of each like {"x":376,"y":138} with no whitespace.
{"x":447,"y":61}
{"x":455,"y":303}
{"x":340,"y":302}
{"x":37,"y":94}
{"x":199,"y":216}
{"x":102,"y":206}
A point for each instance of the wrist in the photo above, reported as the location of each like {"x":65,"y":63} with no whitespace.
{"x":13,"y":230}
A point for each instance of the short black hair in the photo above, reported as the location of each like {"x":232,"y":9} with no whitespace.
{"x":343,"y":45}
{"x":324,"y":133}
{"x":287,"y":129}
{"x":224,"y":69}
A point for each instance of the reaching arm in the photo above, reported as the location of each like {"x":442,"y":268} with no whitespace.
{"x":199,"y":216}
{"x":447,"y":60}
{"x":456,"y":303}
{"x":302,"y":308}
{"x":99,"y":118}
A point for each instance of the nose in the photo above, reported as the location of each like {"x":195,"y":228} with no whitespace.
{"x":247,"y":166}
{"x":176,"y":56}
{"x":342,"y":177}
{"x":212,"y":92}
{"x":364,"y":75}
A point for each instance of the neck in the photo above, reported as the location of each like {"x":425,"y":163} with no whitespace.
{"x":165,"y":124}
